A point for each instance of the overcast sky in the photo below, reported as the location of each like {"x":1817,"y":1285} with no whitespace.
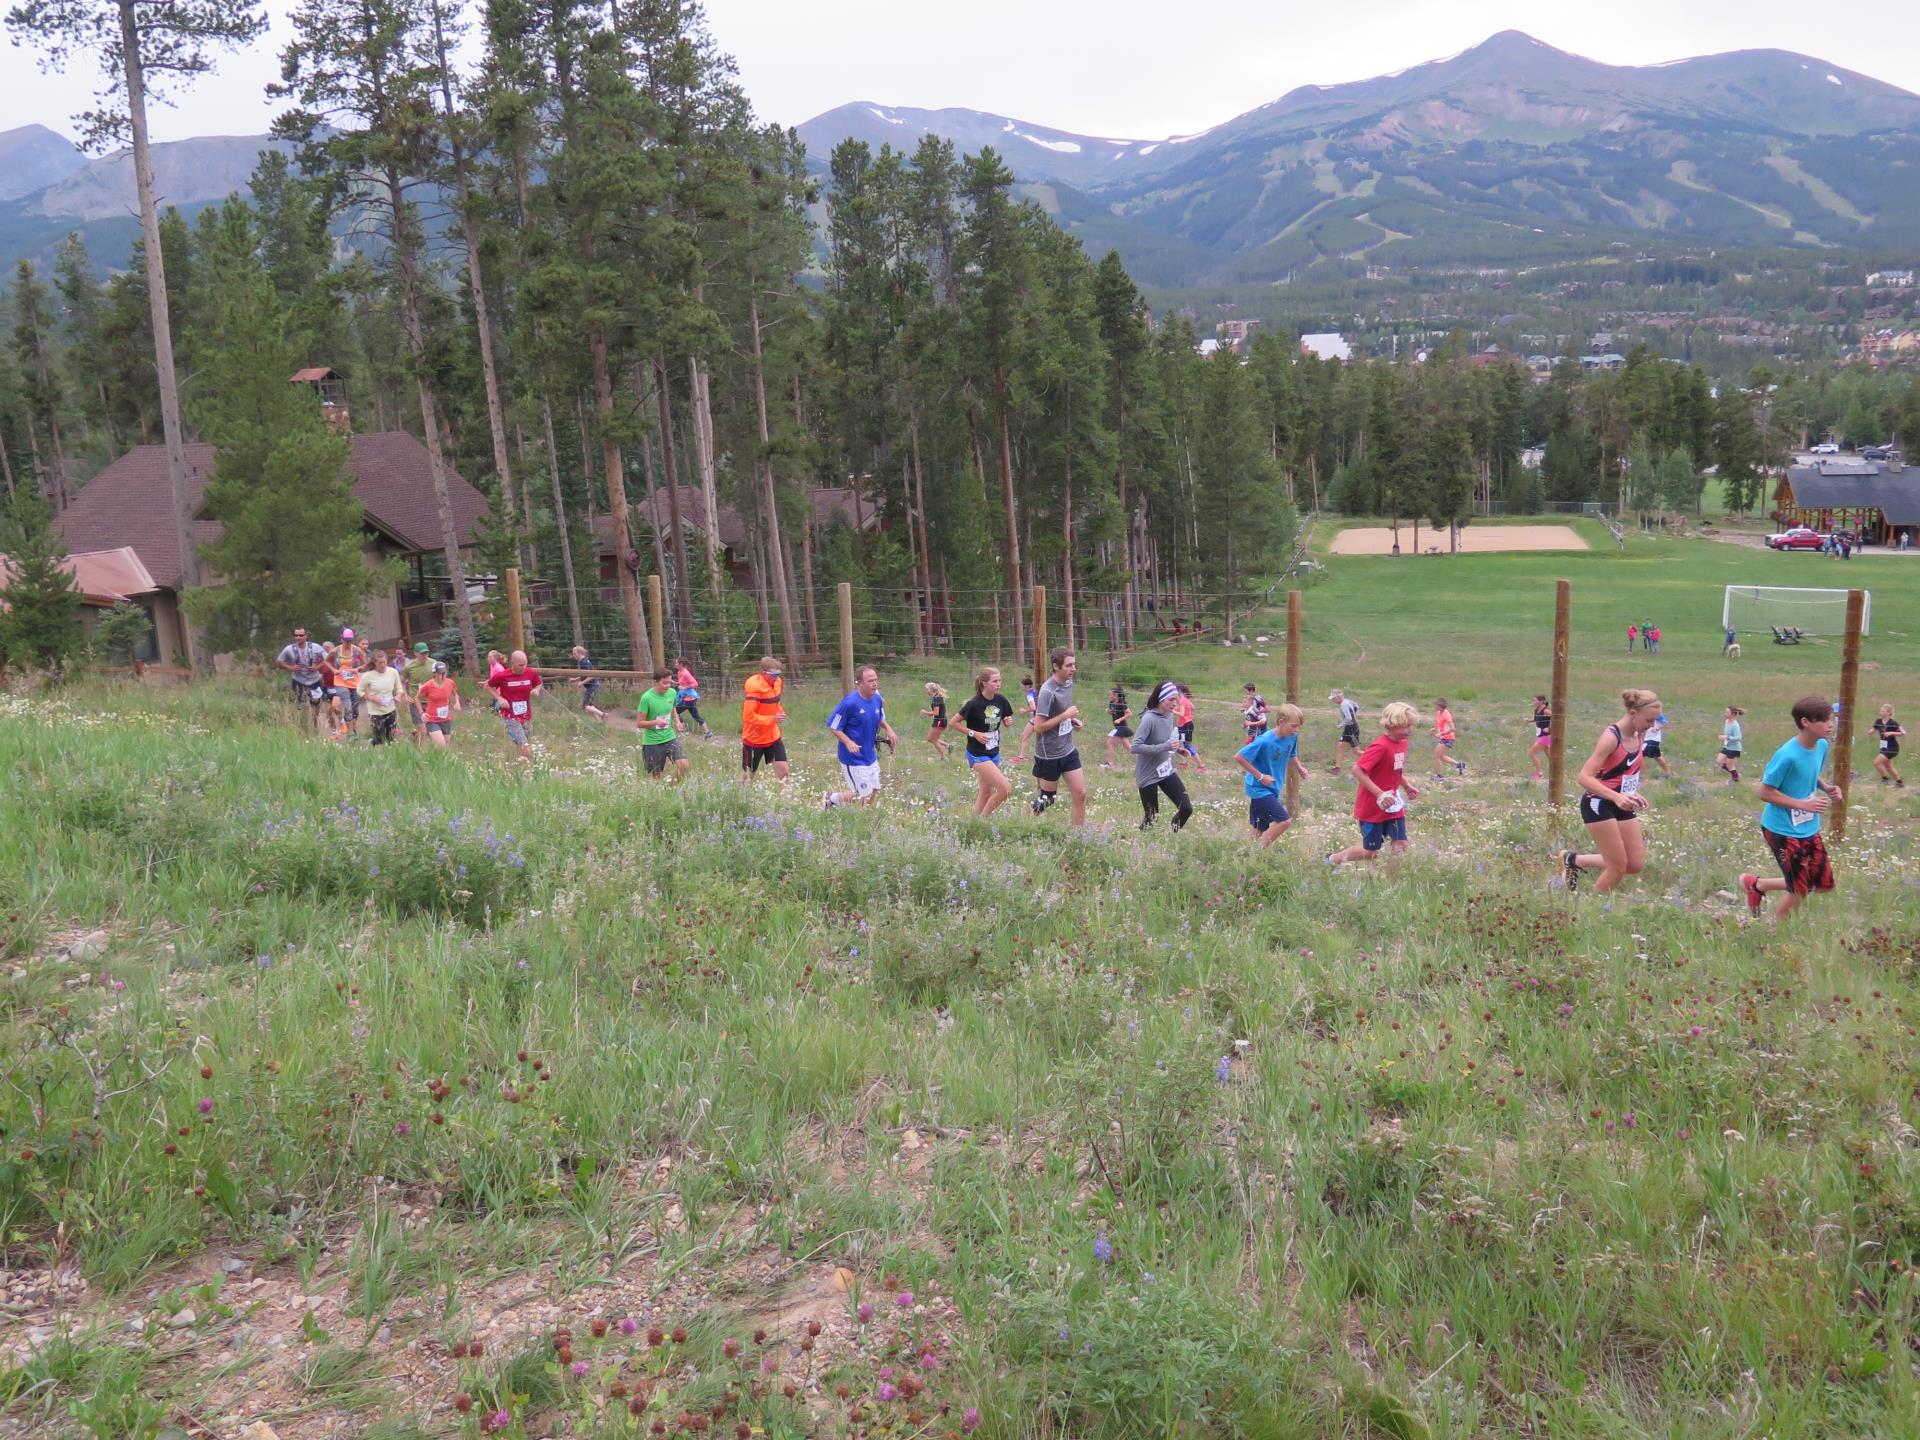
{"x":1127,"y":69}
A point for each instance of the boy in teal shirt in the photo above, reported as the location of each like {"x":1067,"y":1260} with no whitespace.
{"x":1797,"y":800}
{"x":1267,"y":758}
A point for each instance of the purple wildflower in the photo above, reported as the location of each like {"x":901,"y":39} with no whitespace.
{"x":865,"y":1312}
{"x":970,"y":1420}
{"x":904,"y":1299}
{"x":887,"y":1391}
{"x":579,"y":1368}
{"x":1102,"y":1248}
{"x":498,"y":1420}
{"x":1223,"y":1072}
{"x":206,"y":1105}
{"x":629,"y":1325}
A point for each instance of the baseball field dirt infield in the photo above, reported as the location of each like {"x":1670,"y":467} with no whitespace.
{"x":1474,"y":539}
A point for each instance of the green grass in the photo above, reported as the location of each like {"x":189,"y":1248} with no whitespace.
{"x":1487,"y":1161}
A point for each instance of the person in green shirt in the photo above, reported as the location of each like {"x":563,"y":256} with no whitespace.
{"x":415,"y":673}
{"x":660,"y":741}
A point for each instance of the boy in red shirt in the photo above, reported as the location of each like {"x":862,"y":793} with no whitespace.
{"x":1380,"y":803}
{"x":516,"y":686}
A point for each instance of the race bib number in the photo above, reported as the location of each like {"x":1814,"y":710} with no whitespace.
{"x":518,"y":708}
{"x":317,"y":693}
{"x":1801,"y":817}
{"x":992,"y":742}
{"x":1166,"y":768}
{"x":1629,"y":784}
{"x":1066,"y":727}
{"x":440,"y":712}
{"x":1393,"y":802}
{"x":1400,"y":762}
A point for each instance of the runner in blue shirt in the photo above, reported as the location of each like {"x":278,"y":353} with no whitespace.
{"x":1797,"y":800}
{"x":856,"y":723}
{"x":1267,"y":758}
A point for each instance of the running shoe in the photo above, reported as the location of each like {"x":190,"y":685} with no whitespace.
{"x":1570,"y":863}
{"x":1750,"y":887}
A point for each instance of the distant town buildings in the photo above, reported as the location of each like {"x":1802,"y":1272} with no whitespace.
{"x":1326,"y":347}
{"x":1890,"y":280}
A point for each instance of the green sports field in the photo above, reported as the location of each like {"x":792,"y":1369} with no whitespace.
{"x":393,"y":1093}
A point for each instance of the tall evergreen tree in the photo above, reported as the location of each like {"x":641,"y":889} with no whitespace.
{"x":40,"y":606}
{"x":290,"y":551}
{"x":140,"y":47}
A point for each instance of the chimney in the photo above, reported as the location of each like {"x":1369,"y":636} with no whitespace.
{"x":331,"y":388}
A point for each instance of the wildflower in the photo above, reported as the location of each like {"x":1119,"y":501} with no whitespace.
{"x":1102,"y":1248}
{"x":1627,"y":1119}
{"x":929,"y":1361}
{"x":629,"y":1325}
{"x":403,"y":1129}
{"x":579,"y":1368}
{"x":1146,"y":1277}
{"x":970,"y":1420}
{"x":887,"y":1391}
{"x":373,"y":872}
{"x":865,"y":1312}
{"x":904,"y":1300}
{"x":463,"y":1402}
{"x":1223,"y":1072}
{"x":1695,"y":1031}
{"x":498,"y":1420}
{"x":206,"y":1105}
{"x":265,"y":962}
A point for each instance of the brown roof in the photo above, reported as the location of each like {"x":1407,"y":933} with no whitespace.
{"x":312,"y":373}
{"x":130,"y":502}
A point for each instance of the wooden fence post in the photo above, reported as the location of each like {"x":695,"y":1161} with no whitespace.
{"x":846,"y":637}
{"x":1849,"y":700}
{"x":657,"y":618}
{"x":1557,"y":751}
{"x":516,"y":619}
{"x":1293,"y":686}
{"x":1040,"y":665}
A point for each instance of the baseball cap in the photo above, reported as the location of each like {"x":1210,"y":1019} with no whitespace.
{"x":439,"y":667}
{"x":346,"y":634}
{"x":420,"y":647}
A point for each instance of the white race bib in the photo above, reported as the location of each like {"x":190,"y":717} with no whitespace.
{"x":1166,"y":768}
{"x":992,"y":742}
{"x":440,"y":712}
{"x":1393,"y":802}
{"x":1629,"y":784}
{"x":519,"y":707}
{"x":1801,"y":817}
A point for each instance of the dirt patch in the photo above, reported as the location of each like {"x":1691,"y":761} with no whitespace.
{"x":1474,"y":540}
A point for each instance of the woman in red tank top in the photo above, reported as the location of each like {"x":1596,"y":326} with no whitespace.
{"x":1612,"y":802}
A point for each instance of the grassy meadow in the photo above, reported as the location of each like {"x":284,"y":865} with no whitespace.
{"x":420,"y":1094}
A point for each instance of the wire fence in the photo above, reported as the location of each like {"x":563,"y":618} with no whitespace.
{"x":723,"y":636}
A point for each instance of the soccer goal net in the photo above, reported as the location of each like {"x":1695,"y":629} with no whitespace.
{"x":1759,"y":609}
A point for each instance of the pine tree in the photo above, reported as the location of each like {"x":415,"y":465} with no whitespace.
{"x":40,"y":606}
{"x":290,"y":552}
{"x":132,"y":43}
{"x":33,"y":348}
{"x":360,"y":74}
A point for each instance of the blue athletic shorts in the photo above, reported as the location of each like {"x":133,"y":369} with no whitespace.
{"x":983,"y":760}
{"x":1265,"y":810}
{"x":1375,"y":833}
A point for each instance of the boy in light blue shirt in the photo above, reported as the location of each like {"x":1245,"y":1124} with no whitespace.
{"x":1797,"y":800}
{"x":1266,"y":759}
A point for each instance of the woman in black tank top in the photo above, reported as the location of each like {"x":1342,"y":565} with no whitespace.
{"x":1542,"y":733}
{"x":1612,"y":802}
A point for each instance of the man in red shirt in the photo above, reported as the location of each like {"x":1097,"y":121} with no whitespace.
{"x":515,"y":688}
{"x":1380,"y":802}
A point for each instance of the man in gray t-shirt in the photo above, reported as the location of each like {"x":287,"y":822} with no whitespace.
{"x":301,"y":658}
{"x":1055,"y":756}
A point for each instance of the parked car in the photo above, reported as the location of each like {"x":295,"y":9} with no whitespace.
{"x":1876,"y":452}
{"x":1798,"y":538}
{"x":1826,"y":448}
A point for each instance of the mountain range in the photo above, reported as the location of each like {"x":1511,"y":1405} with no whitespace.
{"x":1509,"y":153}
